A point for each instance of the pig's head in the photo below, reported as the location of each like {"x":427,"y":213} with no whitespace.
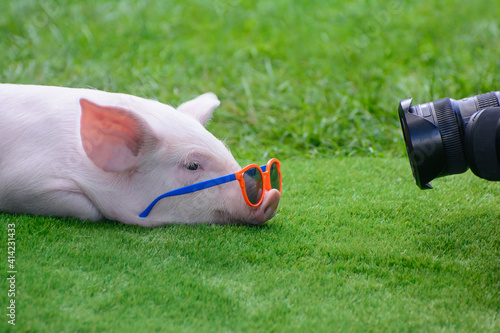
{"x":147,"y":148}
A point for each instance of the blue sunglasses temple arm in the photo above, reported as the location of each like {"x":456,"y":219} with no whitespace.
{"x":190,"y":189}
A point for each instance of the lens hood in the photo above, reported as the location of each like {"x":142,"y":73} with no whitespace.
{"x":423,"y":144}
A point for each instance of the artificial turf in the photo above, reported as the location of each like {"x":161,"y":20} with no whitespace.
{"x":355,"y":246}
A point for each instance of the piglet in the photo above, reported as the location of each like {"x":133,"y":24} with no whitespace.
{"x":97,"y":155}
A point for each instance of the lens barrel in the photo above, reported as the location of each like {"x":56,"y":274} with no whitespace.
{"x":434,"y":134}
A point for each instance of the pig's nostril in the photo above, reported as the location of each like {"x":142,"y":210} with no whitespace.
{"x":271,"y":202}
{"x":270,"y":211}
{"x":267,"y":210}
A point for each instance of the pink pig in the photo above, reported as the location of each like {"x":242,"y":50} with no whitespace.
{"x":94,"y":155}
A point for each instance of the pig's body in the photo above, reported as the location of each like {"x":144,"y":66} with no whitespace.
{"x":94,"y":155}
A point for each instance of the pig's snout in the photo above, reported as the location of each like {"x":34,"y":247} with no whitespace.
{"x":268,"y":208}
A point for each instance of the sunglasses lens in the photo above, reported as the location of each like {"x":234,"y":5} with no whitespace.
{"x":275,"y":177}
{"x":253,"y":185}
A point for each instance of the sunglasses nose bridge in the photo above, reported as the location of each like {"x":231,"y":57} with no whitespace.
{"x":267,"y":181}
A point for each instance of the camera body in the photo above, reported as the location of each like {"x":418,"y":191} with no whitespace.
{"x":448,"y":136}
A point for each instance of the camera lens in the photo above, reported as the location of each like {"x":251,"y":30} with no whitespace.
{"x":434,"y":134}
{"x":482,"y":143}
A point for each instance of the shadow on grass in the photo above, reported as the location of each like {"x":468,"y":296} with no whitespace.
{"x":109,"y":225}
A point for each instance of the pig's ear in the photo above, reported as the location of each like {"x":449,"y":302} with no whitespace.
{"x":201,"y":108}
{"x":112,"y":137}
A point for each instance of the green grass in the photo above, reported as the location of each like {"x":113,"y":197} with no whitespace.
{"x":355,"y":246}
{"x":296,"y":78}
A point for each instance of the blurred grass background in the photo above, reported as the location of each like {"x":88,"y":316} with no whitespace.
{"x":296,"y":78}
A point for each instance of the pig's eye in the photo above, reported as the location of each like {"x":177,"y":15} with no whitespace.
{"x":192,"y":166}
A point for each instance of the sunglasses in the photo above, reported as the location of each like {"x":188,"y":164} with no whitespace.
{"x":254,"y":181}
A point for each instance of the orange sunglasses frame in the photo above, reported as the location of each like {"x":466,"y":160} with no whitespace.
{"x":266,"y":183}
{"x":266,"y":179}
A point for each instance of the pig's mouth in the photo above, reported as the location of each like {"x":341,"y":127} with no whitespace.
{"x":251,"y":215}
{"x":224,"y":217}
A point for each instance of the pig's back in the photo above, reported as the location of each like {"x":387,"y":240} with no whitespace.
{"x":36,"y":120}
{"x":45,"y":120}
{"x":40,"y":151}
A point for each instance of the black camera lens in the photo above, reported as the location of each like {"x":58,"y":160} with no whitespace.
{"x":434,"y":134}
